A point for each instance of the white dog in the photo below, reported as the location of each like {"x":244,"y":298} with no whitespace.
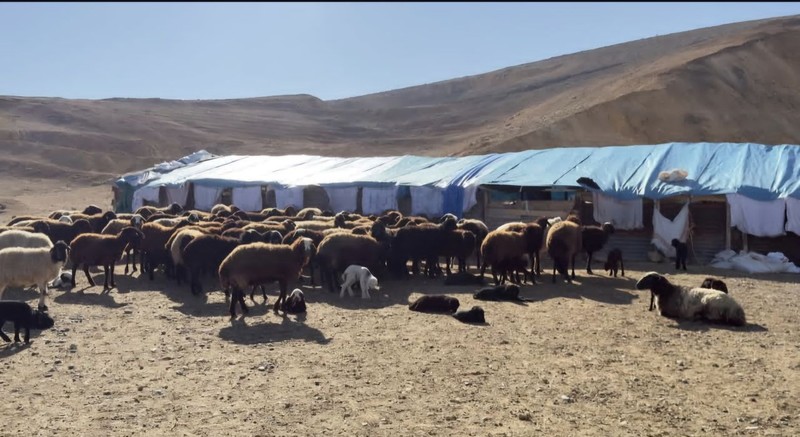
{"x":361,"y":275}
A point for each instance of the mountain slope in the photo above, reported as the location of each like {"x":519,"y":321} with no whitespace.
{"x":736,"y":82}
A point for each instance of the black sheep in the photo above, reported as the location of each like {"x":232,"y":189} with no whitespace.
{"x":435,"y":304}
{"x":23,"y":316}
{"x":474,"y":315}
{"x":681,"y":253}
{"x":507,"y":292}
{"x":614,"y":262}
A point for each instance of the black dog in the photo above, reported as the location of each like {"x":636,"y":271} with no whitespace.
{"x":437,"y":303}
{"x":507,"y":292}
{"x":474,"y":315}
{"x":715,"y":284}
{"x":681,"y":253}
{"x":23,"y":316}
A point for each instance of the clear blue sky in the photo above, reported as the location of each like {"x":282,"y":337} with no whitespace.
{"x":330,"y":50}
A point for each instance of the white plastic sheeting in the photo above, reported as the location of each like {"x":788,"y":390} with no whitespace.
{"x":342,"y":198}
{"x":206,"y":197}
{"x":149,"y":194}
{"x":289,"y":196}
{"x":665,"y":230}
{"x":247,"y":198}
{"x":427,"y":201}
{"x":177,"y":194}
{"x":755,"y":217}
{"x":377,"y":200}
{"x":751,"y":262}
{"x":793,"y":215}
{"x":623,"y":214}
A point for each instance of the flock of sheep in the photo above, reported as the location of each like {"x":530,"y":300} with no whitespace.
{"x":247,"y":250}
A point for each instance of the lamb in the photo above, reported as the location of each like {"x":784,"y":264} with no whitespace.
{"x":681,"y":253}
{"x":258,"y":263}
{"x":23,"y":266}
{"x":473,"y":315}
{"x":593,"y":238}
{"x":508,"y":292}
{"x":614,"y":262}
{"x":361,"y":275}
{"x":295,"y":303}
{"x":102,"y":250}
{"x":437,"y":303}
{"x":23,"y":316}
{"x":563,"y":243}
{"x":24,"y":239}
{"x":697,"y":303}
{"x":715,"y":284}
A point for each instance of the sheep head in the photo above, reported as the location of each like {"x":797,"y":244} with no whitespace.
{"x":59,"y":252}
{"x":608,"y":228}
{"x":652,"y":281}
{"x":42,"y":320}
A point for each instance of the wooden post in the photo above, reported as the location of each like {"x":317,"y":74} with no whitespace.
{"x":727,"y":225}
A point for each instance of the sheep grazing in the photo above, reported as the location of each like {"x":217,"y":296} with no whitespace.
{"x":614,"y":262}
{"x":715,"y":284}
{"x":681,"y":253}
{"x":593,"y":238}
{"x":102,"y":250}
{"x":437,"y":303}
{"x":23,"y":316}
{"x":678,"y":302}
{"x":23,"y":266}
{"x":295,"y":303}
{"x":464,"y":278}
{"x":358,"y":275}
{"x":473,"y":315}
{"x":259,"y":263}
{"x":508,"y":292}
{"x":564,"y":241}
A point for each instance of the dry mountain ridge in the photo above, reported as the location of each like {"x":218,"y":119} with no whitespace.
{"x":736,"y":82}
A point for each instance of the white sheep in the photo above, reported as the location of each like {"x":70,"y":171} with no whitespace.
{"x":677,"y":302}
{"x":24,"y":239}
{"x":361,"y":275}
{"x":23,"y":266}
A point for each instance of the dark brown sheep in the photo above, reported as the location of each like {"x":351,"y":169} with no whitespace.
{"x":102,"y":250}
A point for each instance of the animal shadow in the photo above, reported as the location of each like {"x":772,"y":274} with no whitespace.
{"x":264,"y":332}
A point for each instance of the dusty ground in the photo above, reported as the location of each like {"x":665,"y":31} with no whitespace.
{"x":583,"y":359}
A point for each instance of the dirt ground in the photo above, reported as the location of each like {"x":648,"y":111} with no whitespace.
{"x":149,"y":358}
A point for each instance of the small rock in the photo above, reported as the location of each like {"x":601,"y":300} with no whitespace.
{"x":127,"y":312}
{"x":106,"y":393}
{"x":262,"y":368}
{"x":525,"y":416}
{"x":566,"y":398}
{"x":450,"y":418}
{"x":57,"y":362}
{"x":73,"y":348}
{"x":70,"y":367}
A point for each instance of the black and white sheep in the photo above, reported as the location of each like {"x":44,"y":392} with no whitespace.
{"x":259,"y":263}
{"x":681,"y":253}
{"x":593,"y":240}
{"x":677,"y":302}
{"x":23,"y":266}
{"x":614,"y":262}
{"x":23,"y":316}
{"x":295,"y":303}
{"x":102,"y":250}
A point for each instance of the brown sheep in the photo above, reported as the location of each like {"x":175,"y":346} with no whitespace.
{"x":564,"y":242}
{"x":535,"y":238}
{"x":480,"y":230}
{"x":102,"y":250}
{"x":499,"y":248}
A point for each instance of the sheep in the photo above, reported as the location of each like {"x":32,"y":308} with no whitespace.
{"x":460,"y":244}
{"x":681,"y":253}
{"x":24,"y":239}
{"x":23,"y":316}
{"x":424,"y":241}
{"x":257,"y":263}
{"x":115,"y":226}
{"x":102,"y":250}
{"x":480,"y":230}
{"x":593,"y":238}
{"x":614,"y":262}
{"x":534,"y":236}
{"x":92,"y":210}
{"x":23,"y":266}
{"x":175,"y":245}
{"x":437,"y":303}
{"x":315,"y":236}
{"x":563,"y":243}
{"x":473,"y":315}
{"x":499,"y":247}
{"x":97,"y":221}
{"x":63,"y":231}
{"x":361,"y":275}
{"x":295,"y":303}
{"x":715,"y":284}
{"x":206,"y":253}
{"x":508,"y":292}
{"x":338,"y":251}
{"x":154,"y":251}
{"x":697,"y":303}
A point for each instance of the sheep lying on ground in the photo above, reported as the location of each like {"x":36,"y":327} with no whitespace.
{"x":614,"y":262}
{"x":23,"y":266}
{"x":23,"y":316}
{"x":361,"y":275}
{"x":508,"y":292}
{"x":473,"y":315}
{"x":715,"y":284}
{"x":436,"y":303}
{"x":698,"y":303}
{"x":295,"y":303}
{"x":681,"y":253}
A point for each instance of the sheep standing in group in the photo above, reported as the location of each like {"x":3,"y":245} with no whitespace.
{"x":564,"y":241}
{"x":678,"y":302}
{"x":16,"y":238}
{"x":23,"y":266}
{"x":205,"y":254}
{"x":102,"y":250}
{"x":499,"y":249}
{"x":534,"y":237}
{"x":480,"y":230}
{"x":115,"y":226}
{"x":338,"y":251}
{"x":593,"y":238}
{"x":259,"y":263}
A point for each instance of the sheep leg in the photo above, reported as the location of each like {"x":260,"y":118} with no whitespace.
{"x":264,"y":293}
{"x":74,"y":269}
{"x":105,"y":277}
{"x":3,"y":334}
{"x":42,"y":293}
{"x":86,"y":271}
{"x":127,"y":260}
{"x":652,"y":297}
{"x":573,"y":265}
{"x":282,"y":298}
{"x":194,"y":279}
{"x":311,"y":271}
{"x":232,"y":307}
{"x":622,"y":266}
{"x":589,"y":264}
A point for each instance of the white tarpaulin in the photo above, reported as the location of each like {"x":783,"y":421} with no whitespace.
{"x":377,"y":200}
{"x":289,"y":196}
{"x":793,"y":215}
{"x":247,"y":198}
{"x":206,"y":197}
{"x":149,"y":194}
{"x":623,"y":214}
{"x":177,"y":194}
{"x":427,"y":200}
{"x":755,"y":217}
{"x":665,"y":230}
{"x":751,"y":262}
{"x":342,"y":199}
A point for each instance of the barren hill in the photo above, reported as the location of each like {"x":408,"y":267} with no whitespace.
{"x":737,"y":82}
